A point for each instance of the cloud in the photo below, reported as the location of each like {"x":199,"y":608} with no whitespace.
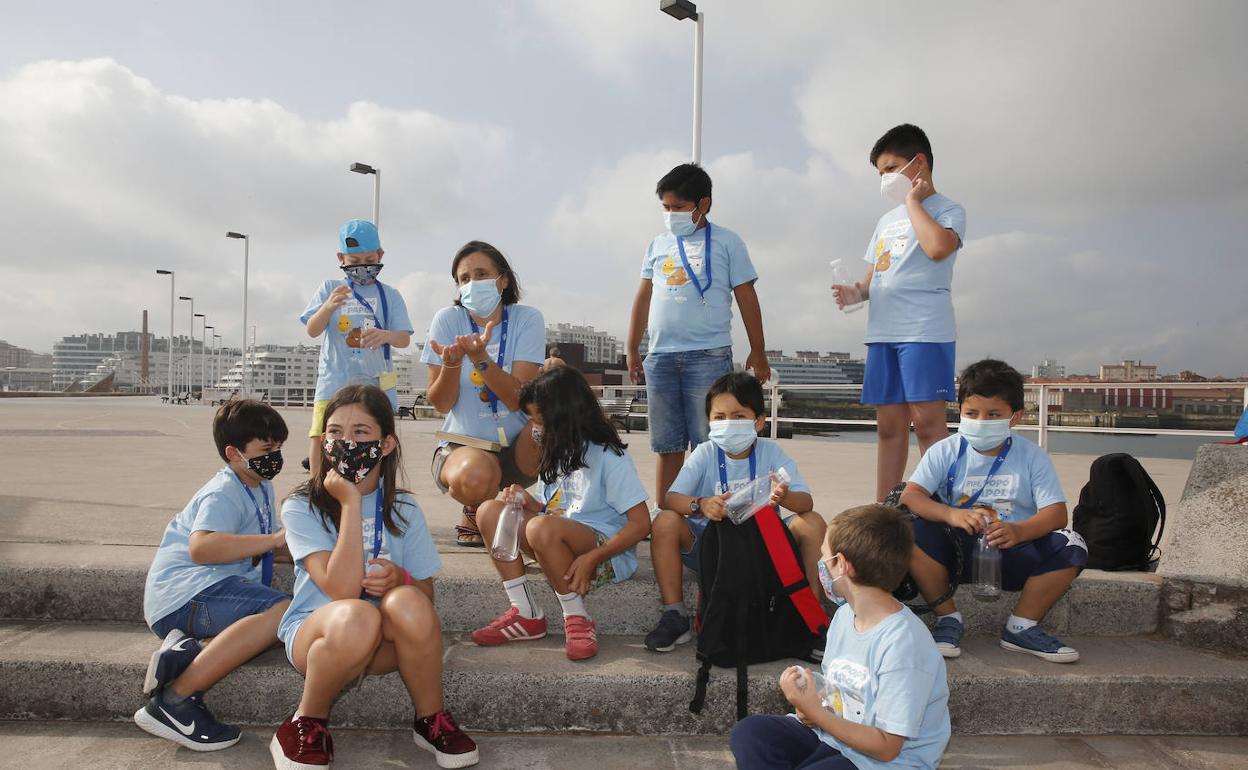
{"x":107,"y":178}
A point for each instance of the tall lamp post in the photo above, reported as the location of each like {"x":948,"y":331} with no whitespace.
{"x":364,"y":168}
{"x":216,"y":358}
{"x":203,"y":351}
{"x":246,"y":258}
{"x":190,"y":341}
{"x":169,"y":382}
{"x":679,"y":10}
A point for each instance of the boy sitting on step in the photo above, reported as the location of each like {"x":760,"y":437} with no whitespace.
{"x":989,"y":481}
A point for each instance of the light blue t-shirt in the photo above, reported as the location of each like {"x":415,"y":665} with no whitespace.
{"x":679,"y":320}
{"x":699,"y":477}
{"x":892,"y":677}
{"x":306,"y":534}
{"x":910,"y":293}
{"x":221,"y":505}
{"x":343,"y":361}
{"x":598,"y":496}
{"x":1025,"y":482}
{"x":526,"y":341}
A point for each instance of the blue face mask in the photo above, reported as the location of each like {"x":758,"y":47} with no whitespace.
{"x":983,"y":435}
{"x":679,"y":222}
{"x":480,"y":297}
{"x":826,"y":580}
{"x":733,"y":436}
{"x":362,"y":275}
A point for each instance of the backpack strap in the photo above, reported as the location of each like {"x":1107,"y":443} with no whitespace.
{"x":1140,"y":477}
{"x":790,"y":572}
{"x":743,"y":668}
{"x":699,"y":687}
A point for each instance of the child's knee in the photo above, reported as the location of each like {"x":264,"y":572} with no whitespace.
{"x":541,"y":532}
{"x":408,"y":609}
{"x":668,"y":525}
{"x":487,"y":514}
{"x":355,"y":625}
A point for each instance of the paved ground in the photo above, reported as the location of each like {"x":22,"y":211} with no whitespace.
{"x":113,"y":470}
{"x":49,"y":745}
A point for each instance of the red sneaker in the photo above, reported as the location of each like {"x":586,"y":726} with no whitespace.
{"x":511,"y":626}
{"x":302,"y":743}
{"x":580,"y":637}
{"x":450,"y":745}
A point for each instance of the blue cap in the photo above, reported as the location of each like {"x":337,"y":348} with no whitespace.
{"x":363,"y":232}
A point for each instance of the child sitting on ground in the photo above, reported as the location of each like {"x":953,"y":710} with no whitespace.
{"x":212,"y":577}
{"x":733,"y":458}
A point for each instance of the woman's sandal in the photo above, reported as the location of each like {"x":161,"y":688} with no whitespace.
{"x":470,"y":535}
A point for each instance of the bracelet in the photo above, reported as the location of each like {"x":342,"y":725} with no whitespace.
{"x":407,"y":577}
{"x":456,"y":366}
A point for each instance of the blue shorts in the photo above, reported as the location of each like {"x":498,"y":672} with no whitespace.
{"x":767,"y":740}
{"x":676,"y":386}
{"x":1061,"y":549}
{"x":909,"y":373}
{"x":219,"y":606}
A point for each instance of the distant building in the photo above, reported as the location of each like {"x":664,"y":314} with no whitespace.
{"x":25,"y":378}
{"x":809,"y":367}
{"x":1228,"y":402}
{"x":1129,"y":371}
{"x":1048,"y":369}
{"x":285,"y":373}
{"x":600,"y":347}
{"x":77,"y":357}
{"x":12,"y":355}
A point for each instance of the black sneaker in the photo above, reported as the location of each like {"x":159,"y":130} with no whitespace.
{"x":673,"y":629}
{"x":169,"y":661}
{"x":188,"y":724}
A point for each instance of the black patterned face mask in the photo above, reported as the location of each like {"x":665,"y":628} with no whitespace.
{"x":266,"y":466}
{"x":363,"y":275}
{"x":352,"y":459}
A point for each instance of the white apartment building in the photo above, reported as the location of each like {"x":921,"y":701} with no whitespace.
{"x":600,"y":347}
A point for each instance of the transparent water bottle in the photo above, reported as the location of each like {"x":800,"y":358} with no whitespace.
{"x":806,"y":677}
{"x":753,"y":497}
{"x":506,"y":545}
{"x":986,"y":566}
{"x":842,"y":277}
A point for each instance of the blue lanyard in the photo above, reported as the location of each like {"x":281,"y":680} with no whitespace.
{"x":383,"y":322}
{"x":502,"y":352}
{"x":266,"y":528}
{"x":706,"y":259}
{"x":953,"y":473}
{"x":378,"y":524}
{"x":723,"y":467}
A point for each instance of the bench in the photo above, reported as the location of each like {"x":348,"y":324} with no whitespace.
{"x":619,"y":411}
{"x":182,"y":398}
{"x":409,"y":404}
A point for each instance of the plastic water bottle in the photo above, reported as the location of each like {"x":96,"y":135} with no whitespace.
{"x":986,"y":568}
{"x":842,"y":277}
{"x":754,"y":497}
{"x":506,"y":545}
{"x":806,"y":677}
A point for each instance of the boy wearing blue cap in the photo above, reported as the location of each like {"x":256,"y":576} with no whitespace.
{"x":358,"y":320}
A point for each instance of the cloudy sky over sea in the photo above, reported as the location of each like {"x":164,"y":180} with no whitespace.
{"x":1099,"y":150}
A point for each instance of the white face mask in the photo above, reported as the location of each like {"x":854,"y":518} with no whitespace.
{"x":895,"y":185}
{"x":680,"y":222}
{"x":983,"y":435}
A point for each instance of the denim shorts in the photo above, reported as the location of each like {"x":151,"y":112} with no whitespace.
{"x":676,"y":386}
{"x":909,"y":373}
{"x":1060,"y":549}
{"x":219,"y":606}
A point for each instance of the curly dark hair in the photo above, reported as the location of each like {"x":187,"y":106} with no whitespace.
{"x":572,"y":418}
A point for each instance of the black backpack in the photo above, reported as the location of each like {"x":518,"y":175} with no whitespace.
{"x":1121,"y":514}
{"x":908,"y":590}
{"x":754,"y":601}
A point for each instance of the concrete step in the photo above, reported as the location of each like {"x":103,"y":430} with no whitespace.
{"x":1126,"y":686}
{"x":76,"y":582}
{"x":73,"y":745}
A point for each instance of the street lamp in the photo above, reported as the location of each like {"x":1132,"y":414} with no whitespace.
{"x":216,"y":359}
{"x":246,"y":258}
{"x":203,"y":337}
{"x":679,"y":10}
{"x":190,"y":341}
{"x":364,"y":168}
{"x":204,"y":352}
{"x":169,"y":382}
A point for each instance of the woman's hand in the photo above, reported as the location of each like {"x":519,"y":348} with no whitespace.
{"x":381,"y":576}
{"x":452,"y":355}
{"x":474,"y":345}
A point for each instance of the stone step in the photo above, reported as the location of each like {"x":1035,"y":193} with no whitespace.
{"x":74,"y":582}
{"x":66,"y":745}
{"x":1121,"y":686}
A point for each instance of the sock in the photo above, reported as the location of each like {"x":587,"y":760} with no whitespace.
{"x":679,"y":607}
{"x":573,"y":604}
{"x":955,"y":615}
{"x":1017,"y":625}
{"x":521,"y":597}
{"x":171,"y":698}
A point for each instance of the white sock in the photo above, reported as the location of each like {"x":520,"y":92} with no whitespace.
{"x":521,"y":597}
{"x":573,"y":604}
{"x":1017,"y":625}
{"x":955,"y":615}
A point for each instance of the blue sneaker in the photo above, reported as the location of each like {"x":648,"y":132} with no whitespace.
{"x":947,"y":633}
{"x":1036,"y":642}
{"x":169,"y":661}
{"x":188,"y":724}
{"x":673,"y":629}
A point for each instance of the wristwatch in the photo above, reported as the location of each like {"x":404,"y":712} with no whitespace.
{"x":481,"y":365}
{"x":695,"y":506}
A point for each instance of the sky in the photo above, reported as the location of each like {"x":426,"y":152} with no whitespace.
{"x":1097,"y":149}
